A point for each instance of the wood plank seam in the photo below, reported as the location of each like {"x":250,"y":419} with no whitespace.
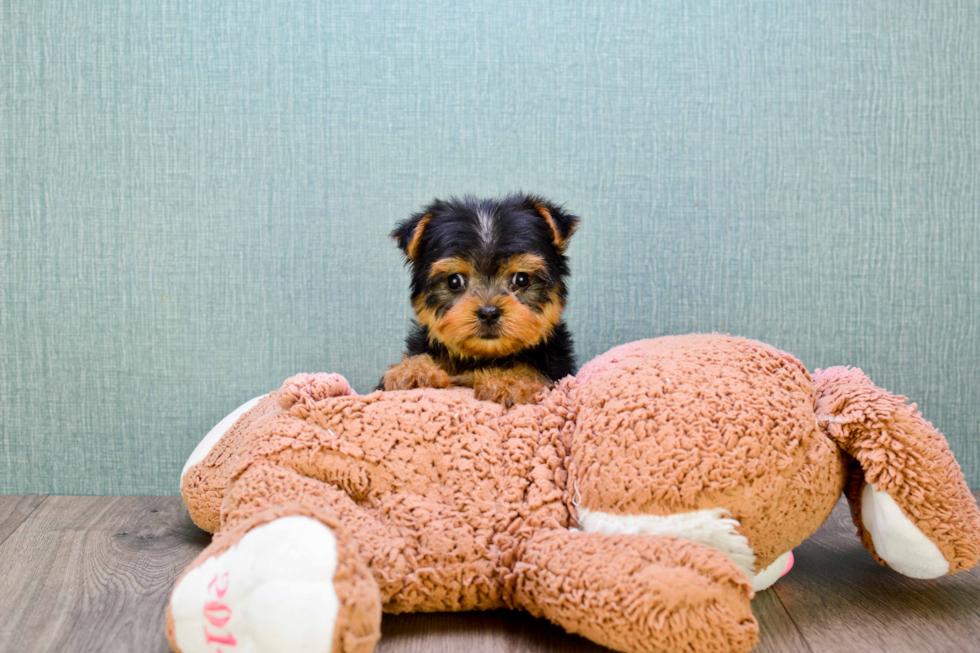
{"x":26,"y":519}
{"x":793,"y":621}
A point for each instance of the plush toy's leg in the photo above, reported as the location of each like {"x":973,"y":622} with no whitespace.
{"x":913,"y":510}
{"x":287,"y":578}
{"x":637,"y":592}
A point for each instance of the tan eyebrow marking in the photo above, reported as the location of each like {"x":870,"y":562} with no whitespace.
{"x":451,"y":265}
{"x":523,"y":263}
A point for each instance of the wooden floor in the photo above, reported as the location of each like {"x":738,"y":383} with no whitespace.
{"x":94,"y":573}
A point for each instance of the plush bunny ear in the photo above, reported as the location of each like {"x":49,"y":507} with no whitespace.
{"x":408,"y":234}
{"x":912,"y":507}
{"x":562,"y":224}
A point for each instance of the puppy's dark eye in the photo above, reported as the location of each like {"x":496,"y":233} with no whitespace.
{"x":456,"y":282}
{"x":521,"y":280}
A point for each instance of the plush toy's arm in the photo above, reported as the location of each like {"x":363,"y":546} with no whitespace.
{"x":637,"y":592}
{"x":206,"y":473}
{"x":913,"y":510}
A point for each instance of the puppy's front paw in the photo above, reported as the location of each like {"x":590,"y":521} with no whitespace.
{"x":415,"y":372}
{"x":518,"y":385}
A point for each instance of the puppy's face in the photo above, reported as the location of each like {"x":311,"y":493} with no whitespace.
{"x":488,"y":276}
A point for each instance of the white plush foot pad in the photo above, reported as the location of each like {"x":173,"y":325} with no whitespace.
{"x":768,"y":576}
{"x":273,"y":591}
{"x":204,"y":447}
{"x":897,"y":540}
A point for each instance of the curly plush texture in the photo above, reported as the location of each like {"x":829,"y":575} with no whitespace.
{"x":447,"y":502}
{"x":901,"y":453}
{"x":444,"y":497}
{"x":706,"y":422}
{"x":677,"y":591}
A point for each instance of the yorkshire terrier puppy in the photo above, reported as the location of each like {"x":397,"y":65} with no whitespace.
{"x":488,"y":289}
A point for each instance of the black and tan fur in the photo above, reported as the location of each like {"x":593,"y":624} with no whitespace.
{"x":488,"y":288}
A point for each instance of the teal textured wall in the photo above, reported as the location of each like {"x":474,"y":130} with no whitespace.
{"x":195,"y":198}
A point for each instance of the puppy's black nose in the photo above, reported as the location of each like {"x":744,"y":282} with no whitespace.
{"x":488,"y":315}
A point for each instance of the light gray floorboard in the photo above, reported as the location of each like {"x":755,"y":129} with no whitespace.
{"x":14,"y":510}
{"x":777,"y":632}
{"x":842,"y":600}
{"x":94,"y":573}
{"x":497,"y":631}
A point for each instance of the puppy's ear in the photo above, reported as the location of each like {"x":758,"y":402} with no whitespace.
{"x":408,"y":234}
{"x":561,"y":223}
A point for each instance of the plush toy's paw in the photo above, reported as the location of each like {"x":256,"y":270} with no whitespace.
{"x":415,"y":372}
{"x":897,"y":540}
{"x":310,"y":388}
{"x":767,"y":577}
{"x":509,"y":386}
{"x":272,"y":591}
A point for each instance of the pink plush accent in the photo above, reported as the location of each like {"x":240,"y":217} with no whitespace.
{"x":789,"y":564}
{"x":445,"y":502}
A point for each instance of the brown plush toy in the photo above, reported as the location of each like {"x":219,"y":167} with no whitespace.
{"x":637,"y":504}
